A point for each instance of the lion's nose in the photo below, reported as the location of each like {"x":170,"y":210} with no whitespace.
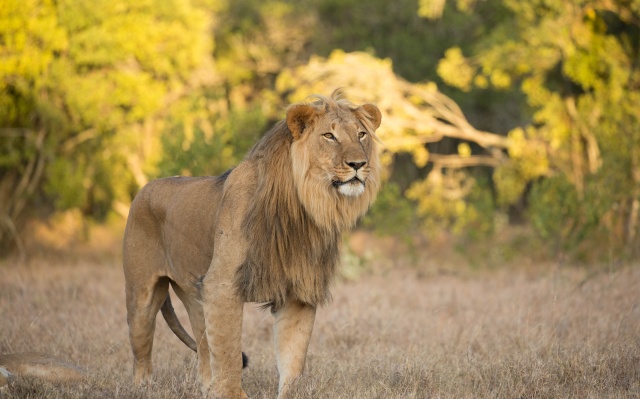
{"x":356,"y":165}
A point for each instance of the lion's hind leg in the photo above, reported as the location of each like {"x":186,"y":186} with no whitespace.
{"x":196,"y":317}
{"x":143,"y":304}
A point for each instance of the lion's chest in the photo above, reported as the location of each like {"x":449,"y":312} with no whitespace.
{"x":292,"y":261}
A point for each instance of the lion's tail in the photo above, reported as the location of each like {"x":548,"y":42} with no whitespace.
{"x":174,"y":324}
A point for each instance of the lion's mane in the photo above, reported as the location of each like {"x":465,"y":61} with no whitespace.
{"x":294,"y":226}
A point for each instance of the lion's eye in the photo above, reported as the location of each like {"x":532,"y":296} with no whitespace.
{"x":361,"y":135}
{"x":329,"y":136}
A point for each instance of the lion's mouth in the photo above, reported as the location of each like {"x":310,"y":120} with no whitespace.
{"x":354,"y":180}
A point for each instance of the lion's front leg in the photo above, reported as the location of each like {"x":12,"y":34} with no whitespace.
{"x":292,"y":333}
{"x":223,"y":320}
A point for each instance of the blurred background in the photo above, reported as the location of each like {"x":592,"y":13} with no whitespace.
{"x":511,"y":128}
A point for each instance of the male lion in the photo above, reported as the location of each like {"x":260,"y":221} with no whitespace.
{"x":266,"y":231}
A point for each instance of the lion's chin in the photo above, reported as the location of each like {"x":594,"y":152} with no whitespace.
{"x":353,"y":188}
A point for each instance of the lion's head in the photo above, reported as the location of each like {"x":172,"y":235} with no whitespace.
{"x":334,"y":155}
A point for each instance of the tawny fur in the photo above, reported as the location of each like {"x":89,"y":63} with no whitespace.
{"x":299,"y":219}
{"x":40,"y":366}
{"x":267,"y":231}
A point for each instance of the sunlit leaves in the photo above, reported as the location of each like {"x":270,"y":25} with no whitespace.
{"x":28,"y":27}
{"x":431,"y":9}
{"x":89,"y":74}
{"x":455,"y":70}
{"x":464,"y":150}
{"x":576,"y":61}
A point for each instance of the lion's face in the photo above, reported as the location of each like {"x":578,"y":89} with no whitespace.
{"x":335,"y":156}
{"x":340,"y":150}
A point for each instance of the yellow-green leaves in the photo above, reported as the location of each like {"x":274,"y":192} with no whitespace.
{"x":80,"y":77}
{"x":455,"y":70}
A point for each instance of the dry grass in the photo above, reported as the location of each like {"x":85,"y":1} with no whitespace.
{"x":406,"y":333}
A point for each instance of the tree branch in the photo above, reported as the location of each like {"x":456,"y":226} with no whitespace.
{"x":456,"y":161}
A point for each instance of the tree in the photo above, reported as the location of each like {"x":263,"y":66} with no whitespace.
{"x":577,"y":63}
{"x":83,"y":88}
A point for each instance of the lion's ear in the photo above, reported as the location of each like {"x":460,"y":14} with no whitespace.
{"x":298,"y":118}
{"x":373,"y":114}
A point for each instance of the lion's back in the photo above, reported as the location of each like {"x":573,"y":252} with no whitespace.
{"x":163,"y":196}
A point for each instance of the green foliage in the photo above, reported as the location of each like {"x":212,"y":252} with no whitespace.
{"x":392,"y":214}
{"x":453,"y":199}
{"x":255,"y":41}
{"x":200,"y":144}
{"x":577,"y":64}
{"x":124,"y":61}
{"x":98,"y":97}
{"x":388,"y":29}
{"x":528,"y":161}
{"x":455,"y":70}
{"x":77,"y":80}
{"x":553,"y":201}
{"x":433,"y":9}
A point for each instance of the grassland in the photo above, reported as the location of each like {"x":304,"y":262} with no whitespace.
{"x":402,"y":332}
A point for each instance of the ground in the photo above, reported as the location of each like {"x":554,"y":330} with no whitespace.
{"x":399,"y":332}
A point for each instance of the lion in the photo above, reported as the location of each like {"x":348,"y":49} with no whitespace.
{"x":267,"y":231}
{"x":40,"y":366}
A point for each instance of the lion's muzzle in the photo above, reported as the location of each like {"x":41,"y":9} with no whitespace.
{"x":350,"y":188}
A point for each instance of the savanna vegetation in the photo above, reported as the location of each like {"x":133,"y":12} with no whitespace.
{"x":401,"y":333}
{"x":511,"y":132}
{"x":496,"y":113}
